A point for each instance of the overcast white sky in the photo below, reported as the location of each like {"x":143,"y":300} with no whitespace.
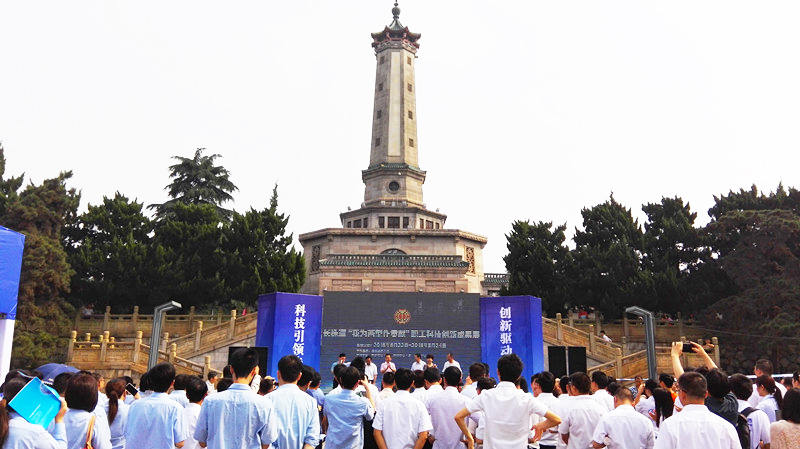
{"x":527,"y":110}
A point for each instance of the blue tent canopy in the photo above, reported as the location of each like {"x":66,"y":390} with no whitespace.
{"x":11,"y":245}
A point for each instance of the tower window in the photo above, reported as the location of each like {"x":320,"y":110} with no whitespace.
{"x":411,"y":143}
{"x":349,"y":224}
{"x":366,"y":222}
{"x":410,"y":89}
{"x":408,"y":60}
{"x":428,"y":224}
{"x":380,"y":86}
{"x":393,"y":223}
{"x":405,"y":222}
{"x":379,"y":113}
{"x":377,"y":141}
{"x":394,"y":186}
{"x":411,"y":115}
{"x":383,"y":59}
{"x":381,"y":223}
{"x":357,"y":223}
{"x":422,"y":223}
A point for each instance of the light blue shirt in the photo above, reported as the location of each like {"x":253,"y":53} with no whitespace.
{"x":77,"y":425}
{"x":156,"y":422}
{"x":117,"y":427}
{"x":179,"y":396}
{"x":345,"y":412}
{"x":236,"y":418}
{"x":298,"y":417}
{"x":24,"y":435}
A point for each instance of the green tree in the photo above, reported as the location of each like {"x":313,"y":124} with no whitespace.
{"x":191,"y":238}
{"x":607,"y":270}
{"x":754,"y":200}
{"x":673,"y":251}
{"x":115,"y":261}
{"x":197,"y":181}
{"x":43,"y":317}
{"x":258,"y":255}
{"x":537,"y":261}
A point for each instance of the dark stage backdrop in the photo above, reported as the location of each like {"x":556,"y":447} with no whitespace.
{"x":376,"y":323}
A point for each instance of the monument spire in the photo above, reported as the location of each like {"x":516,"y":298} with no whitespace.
{"x":393,"y":174}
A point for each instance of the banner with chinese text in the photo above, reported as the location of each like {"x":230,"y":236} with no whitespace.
{"x":289,"y":323}
{"x":512,"y":324}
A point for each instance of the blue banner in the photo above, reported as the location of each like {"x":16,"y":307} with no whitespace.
{"x":11,"y":245}
{"x":512,"y":324}
{"x":289,"y":323}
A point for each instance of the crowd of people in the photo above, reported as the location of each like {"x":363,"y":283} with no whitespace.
{"x":423,"y":408}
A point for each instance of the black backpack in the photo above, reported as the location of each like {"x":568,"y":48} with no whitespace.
{"x":743,"y":428}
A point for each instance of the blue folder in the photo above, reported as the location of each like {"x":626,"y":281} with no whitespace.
{"x":37,"y":403}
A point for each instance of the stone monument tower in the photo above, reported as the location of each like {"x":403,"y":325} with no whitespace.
{"x":393,"y":242}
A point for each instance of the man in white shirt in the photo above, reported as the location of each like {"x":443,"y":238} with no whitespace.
{"x":211,"y":383}
{"x":451,"y":362}
{"x":476,"y":372}
{"x":599,"y":393}
{"x":604,"y":336}
{"x":433,"y":382}
{"x":418,"y":364}
{"x":758,"y":421}
{"x":695,"y":427}
{"x":580,"y":415}
{"x":387,"y":384}
{"x":402,"y":422}
{"x":542,"y":385}
{"x":370,"y":369}
{"x":442,"y":407}
{"x":196,"y":391}
{"x":623,"y":427}
{"x":388,"y":365}
{"x":508,"y":410}
{"x":763,"y":368}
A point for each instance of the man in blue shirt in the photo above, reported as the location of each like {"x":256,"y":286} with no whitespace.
{"x":157,"y":422}
{"x":345,"y":412}
{"x":237,"y":418}
{"x":296,"y":411}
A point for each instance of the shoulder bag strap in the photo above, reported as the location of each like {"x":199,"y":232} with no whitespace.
{"x":89,"y":433}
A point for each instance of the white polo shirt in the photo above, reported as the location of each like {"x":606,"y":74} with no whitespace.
{"x":371,"y":371}
{"x":418,"y":366}
{"x":443,"y":406}
{"x":695,"y":427}
{"x":759,"y":425}
{"x":578,"y":419}
{"x":624,"y":428}
{"x":770,"y":406}
{"x":508,"y":412}
{"x":401,"y":418}
{"x":550,"y":436}
{"x":605,"y":399}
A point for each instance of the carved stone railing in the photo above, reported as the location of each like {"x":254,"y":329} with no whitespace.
{"x":206,"y":339}
{"x":557,"y":333}
{"x":107,"y":354}
{"x":127,"y":324}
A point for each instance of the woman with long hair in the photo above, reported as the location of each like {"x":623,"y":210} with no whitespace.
{"x":117,"y":411}
{"x":81,"y":396}
{"x":664,"y":406}
{"x":15,"y":431}
{"x":771,"y":398}
{"x":785,"y":433}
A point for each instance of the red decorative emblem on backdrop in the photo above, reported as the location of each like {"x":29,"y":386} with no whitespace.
{"x":402,"y":316}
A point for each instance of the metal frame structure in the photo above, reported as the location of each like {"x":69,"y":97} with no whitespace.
{"x":649,"y":336}
{"x":155,"y":337}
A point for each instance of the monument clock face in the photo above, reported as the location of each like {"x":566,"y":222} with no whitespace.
{"x":394,"y":186}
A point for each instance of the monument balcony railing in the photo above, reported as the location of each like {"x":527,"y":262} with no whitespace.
{"x":392,"y":260}
{"x":495,"y":278}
